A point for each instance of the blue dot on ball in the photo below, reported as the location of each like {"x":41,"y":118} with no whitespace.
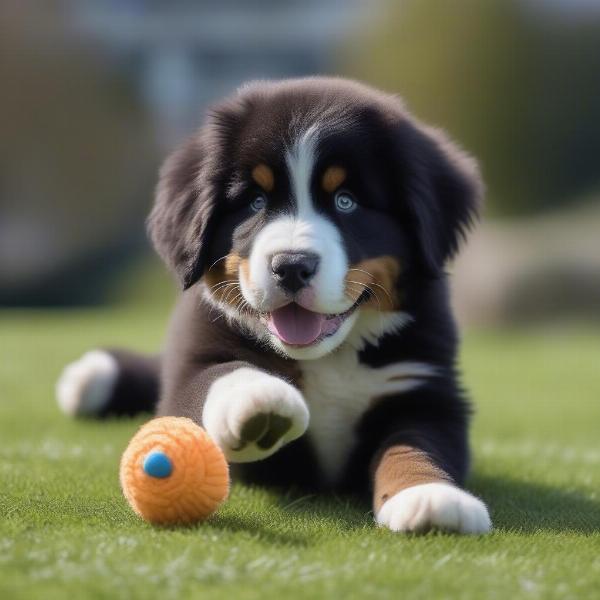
{"x":157,"y":464}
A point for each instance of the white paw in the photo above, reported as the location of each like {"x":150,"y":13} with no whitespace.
{"x":435,"y":506}
{"x":86,"y":385}
{"x":251,"y":415}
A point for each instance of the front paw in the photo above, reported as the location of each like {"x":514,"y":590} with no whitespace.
{"x":251,"y":414}
{"x":435,"y":506}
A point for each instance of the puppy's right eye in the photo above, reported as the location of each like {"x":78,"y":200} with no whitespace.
{"x":345,"y":202}
{"x":259,"y":202}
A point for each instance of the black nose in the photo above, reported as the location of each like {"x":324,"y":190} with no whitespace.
{"x":293,"y":271}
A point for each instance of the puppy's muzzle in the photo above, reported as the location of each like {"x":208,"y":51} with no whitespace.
{"x":294,"y":270}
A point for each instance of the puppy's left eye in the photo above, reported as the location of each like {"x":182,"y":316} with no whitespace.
{"x":345,"y":202}
{"x":259,"y":202}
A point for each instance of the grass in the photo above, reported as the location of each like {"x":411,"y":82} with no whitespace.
{"x":65,"y":530}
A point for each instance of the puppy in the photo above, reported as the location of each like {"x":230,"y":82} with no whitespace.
{"x":309,"y":222}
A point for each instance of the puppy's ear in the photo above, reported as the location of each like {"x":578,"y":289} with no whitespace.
{"x":442,"y":190}
{"x":181,"y":219}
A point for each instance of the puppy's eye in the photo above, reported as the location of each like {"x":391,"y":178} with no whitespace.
{"x":345,"y":202}
{"x":259,"y":202}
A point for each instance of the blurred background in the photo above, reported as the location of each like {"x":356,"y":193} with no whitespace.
{"x":96,"y":92}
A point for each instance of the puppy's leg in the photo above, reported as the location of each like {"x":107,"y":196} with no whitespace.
{"x":251,"y":414}
{"x":248,"y":412}
{"x":413,"y":494}
{"x":108,"y":382}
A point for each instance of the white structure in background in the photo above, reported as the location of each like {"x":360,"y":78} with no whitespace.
{"x":188,"y":54}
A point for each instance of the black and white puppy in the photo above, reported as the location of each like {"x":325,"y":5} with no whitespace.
{"x":309,"y":222}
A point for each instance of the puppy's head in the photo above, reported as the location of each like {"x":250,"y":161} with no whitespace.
{"x":303,"y":204}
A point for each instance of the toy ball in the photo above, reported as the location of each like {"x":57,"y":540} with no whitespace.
{"x":172,"y":472}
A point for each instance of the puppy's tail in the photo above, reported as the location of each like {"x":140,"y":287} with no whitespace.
{"x":109,"y":382}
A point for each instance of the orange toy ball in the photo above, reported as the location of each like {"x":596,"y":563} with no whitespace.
{"x":172,"y":472}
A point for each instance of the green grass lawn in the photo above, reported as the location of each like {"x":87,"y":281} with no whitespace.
{"x":65,"y":530}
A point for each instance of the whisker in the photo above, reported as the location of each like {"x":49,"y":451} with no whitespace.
{"x":373,"y":293}
{"x":223,"y":288}
{"x":222,"y":283}
{"x":362,"y":271}
{"x":243,"y":307}
{"x":386,"y":292}
{"x":216,"y":261}
{"x":235,"y":300}
{"x":231,"y":291}
{"x":365,"y":286}
{"x":374,"y":283}
{"x":355,"y":290}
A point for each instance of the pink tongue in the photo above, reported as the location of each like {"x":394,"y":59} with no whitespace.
{"x":295,"y":325}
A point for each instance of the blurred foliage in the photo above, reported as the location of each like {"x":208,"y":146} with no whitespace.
{"x":516,"y":84}
{"x":77,"y":161}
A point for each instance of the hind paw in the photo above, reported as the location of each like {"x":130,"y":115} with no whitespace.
{"x":85,"y":386}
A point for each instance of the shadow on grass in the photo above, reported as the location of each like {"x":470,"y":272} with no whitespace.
{"x":515,"y":505}
{"x":530,"y":507}
{"x":343,"y":512}
{"x":254,"y":527}
{"x":301,"y":513}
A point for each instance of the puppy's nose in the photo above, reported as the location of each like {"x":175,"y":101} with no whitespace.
{"x":293,"y":271}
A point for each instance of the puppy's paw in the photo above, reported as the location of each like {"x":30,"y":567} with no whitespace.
{"x":251,"y":414}
{"x":85,"y":386}
{"x":435,"y":506}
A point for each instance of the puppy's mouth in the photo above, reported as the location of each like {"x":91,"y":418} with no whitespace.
{"x":295,"y":325}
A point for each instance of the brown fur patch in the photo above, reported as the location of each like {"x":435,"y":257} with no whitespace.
{"x":232,"y":264}
{"x":401,"y":467}
{"x":222,"y":278}
{"x":263,"y":175}
{"x":379,"y":275}
{"x":333,"y":178}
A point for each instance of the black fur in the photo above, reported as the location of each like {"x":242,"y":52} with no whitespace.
{"x":419,"y":195}
{"x":396,"y":164}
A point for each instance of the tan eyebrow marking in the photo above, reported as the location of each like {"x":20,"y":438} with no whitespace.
{"x":333,"y":178}
{"x":263,"y":175}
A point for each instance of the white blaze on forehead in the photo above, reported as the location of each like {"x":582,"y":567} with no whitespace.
{"x":300,"y":160}
{"x":300,"y":227}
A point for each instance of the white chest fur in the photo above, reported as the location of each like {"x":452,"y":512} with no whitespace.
{"x":339,"y":389}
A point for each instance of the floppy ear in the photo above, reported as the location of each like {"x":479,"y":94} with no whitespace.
{"x":184,"y":205}
{"x":442,"y":189}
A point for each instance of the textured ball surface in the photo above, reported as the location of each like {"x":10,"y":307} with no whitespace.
{"x":172,"y":472}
